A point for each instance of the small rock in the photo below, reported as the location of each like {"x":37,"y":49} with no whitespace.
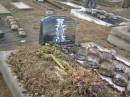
{"x":120,"y":79}
{"x":9,"y":17}
{"x":13,"y":22}
{"x":92,"y":61}
{"x":36,"y":94}
{"x":107,"y":56}
{"x":119,"y":66}
{"x":49,"y":12}
{"x":10,"y":20}
{"x":22,"y":41}
{"x":14,"y":27}
{"x":43,"y":96}
{"x":102,"y":17}
{"x":81,"y":54}
{"x":22,"y":33}
{"x":106,"y":68}
{"x":93,"y":50}
{"x":21,"y":29}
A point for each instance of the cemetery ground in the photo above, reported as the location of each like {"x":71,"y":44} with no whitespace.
{"x":86,"y":31}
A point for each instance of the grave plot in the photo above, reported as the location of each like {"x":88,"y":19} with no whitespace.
{"x":46,"y":71}
{"x":120,"y":37}
{"x":100,"y":17}
{"x":97,"y":16}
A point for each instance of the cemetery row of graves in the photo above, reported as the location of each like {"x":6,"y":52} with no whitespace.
{"x":62,"y":49}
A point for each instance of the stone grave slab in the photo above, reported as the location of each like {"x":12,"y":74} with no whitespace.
{"x":57,"y":29}
{"x":119,"y":42}
{"x":120,"y":37}
{"x":21,"y":6}
{"x":121,"y":32}
{"x":4,"y":11}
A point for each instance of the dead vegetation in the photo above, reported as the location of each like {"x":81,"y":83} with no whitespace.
{"x":41,"y":77}
{"x":45,"y":72}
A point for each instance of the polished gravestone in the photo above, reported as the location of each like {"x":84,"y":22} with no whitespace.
{"x":59,"y":30}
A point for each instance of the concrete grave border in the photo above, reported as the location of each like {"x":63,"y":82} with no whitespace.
{"x":71,"y":5}
{"x":9,"y":77}
{"x":77,"y":13}
{"x":4,"y":11}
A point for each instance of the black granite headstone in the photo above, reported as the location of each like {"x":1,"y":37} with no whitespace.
{"x":58,"y":30}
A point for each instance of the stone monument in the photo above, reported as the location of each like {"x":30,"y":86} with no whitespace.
{"x":57,"y":30}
